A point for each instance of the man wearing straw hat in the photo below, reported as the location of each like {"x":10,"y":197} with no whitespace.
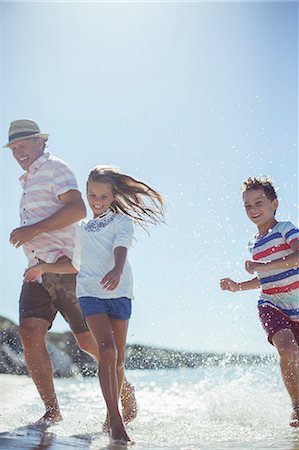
{"x":50,"y":206}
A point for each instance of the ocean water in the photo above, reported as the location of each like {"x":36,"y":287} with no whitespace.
{"x":215,"y":408}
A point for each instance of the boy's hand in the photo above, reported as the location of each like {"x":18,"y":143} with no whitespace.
{"x":227,"y":284}
{"x":34,"y":273}
{"x":253,"y":266}
{"x":111,"y":280}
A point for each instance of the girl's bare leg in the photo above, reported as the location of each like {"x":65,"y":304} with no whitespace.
{"x":87,"y":343}
{"x":288,"y":349}
{"x":102,"y":332}
{"x":128,"y":402}
{"x":129,"y":405}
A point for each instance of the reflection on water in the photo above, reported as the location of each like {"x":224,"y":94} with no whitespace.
{"x":206,"y":408}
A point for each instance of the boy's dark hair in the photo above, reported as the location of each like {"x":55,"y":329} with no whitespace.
{"x":255,"y":183}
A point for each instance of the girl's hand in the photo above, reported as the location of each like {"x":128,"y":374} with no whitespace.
{"x":253,"y":266}
{"x":34,"y":273}
{"x":226,"y":284}
{"x":111,"y":280}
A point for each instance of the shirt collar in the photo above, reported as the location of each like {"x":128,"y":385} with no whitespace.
{"x":105,"y":215}
{"x":34,"y":167}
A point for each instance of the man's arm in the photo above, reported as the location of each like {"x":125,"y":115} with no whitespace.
{"x":72,"y":211}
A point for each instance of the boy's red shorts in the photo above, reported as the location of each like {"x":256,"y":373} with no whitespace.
{"x":273,"y":321}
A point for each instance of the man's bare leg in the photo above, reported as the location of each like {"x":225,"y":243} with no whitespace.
{"x":32,"y":332}
{"x":288,"y":350}
{"x":87,"y":343}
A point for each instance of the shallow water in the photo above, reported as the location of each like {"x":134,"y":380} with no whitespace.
{"x":205,"y":408}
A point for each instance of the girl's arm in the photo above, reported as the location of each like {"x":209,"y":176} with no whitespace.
{"x":288,"y":262}
{"x":35,"y":272}
{"x":111,"y":279}
{"x":227,"y":284}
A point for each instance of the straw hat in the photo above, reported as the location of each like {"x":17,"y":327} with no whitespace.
{"x":24,"y":129}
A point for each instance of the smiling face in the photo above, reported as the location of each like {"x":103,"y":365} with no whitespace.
{"x":260,"y":209}
{"x":26,"y":151}
{"x":99,"y":196}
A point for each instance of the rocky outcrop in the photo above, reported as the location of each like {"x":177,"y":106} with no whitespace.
{"x":68,"y":359}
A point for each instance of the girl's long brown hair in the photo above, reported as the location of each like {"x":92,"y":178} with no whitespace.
{"x":132,"y":197}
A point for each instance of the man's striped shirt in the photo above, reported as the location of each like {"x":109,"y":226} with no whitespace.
{"x":47,"y":178}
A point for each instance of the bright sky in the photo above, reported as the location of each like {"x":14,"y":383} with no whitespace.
{"x":189,"y":97}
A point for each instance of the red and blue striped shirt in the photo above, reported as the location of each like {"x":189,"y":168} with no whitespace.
{"x":279,"y":288}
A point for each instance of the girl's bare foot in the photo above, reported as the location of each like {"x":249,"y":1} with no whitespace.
{"x":51,"y":417}
{"x":128,"y":402}
{"x":294,"y":421}
{"x":119,"y":435}
{"x":106,"y":425}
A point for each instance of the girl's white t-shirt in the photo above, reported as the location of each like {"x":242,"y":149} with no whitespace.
{"x":93,"y":255}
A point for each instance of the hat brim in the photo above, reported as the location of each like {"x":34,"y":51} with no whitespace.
{"x":38,"y":135}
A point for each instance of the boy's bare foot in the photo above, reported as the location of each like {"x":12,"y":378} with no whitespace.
{"x":294,"y":421}
{"x":128,"y":402}
{"x":51,"y":417}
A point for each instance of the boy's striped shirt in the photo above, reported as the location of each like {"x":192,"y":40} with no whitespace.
{"x":279,"y":288}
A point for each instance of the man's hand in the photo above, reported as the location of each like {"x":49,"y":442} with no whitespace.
{"x":73,"y":210}
{"x":111,"y":280}
{"x":253,"y":266}
{"x":227,"y":284}
{"x":21,"y":235}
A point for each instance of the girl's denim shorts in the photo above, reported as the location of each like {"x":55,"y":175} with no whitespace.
{"x":116,"y":308}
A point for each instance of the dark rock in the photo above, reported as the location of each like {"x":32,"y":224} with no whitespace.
{"x":68,"y":359}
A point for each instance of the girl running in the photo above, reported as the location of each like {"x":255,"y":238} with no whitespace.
{"x":104,"y":280}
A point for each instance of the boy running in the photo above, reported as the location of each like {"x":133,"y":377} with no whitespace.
{"x":275,"y":260}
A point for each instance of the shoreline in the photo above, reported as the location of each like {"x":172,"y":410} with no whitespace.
{"x":68,"y":360}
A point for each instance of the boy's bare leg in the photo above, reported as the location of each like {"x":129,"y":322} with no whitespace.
{"x":87,"y":343}
{"x":32,"y":332}
{"x":288,"y":349}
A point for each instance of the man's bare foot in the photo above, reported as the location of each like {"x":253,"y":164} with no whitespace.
{"x":294,"y":421}
{"x":128,"y":402}
{"x":51,"y":417}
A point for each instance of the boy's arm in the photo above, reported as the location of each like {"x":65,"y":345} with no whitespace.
{"x":35,"y":272}
{"x":227,"y":284}
{"x":288,"y":262}
{"x":111,"y":279}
